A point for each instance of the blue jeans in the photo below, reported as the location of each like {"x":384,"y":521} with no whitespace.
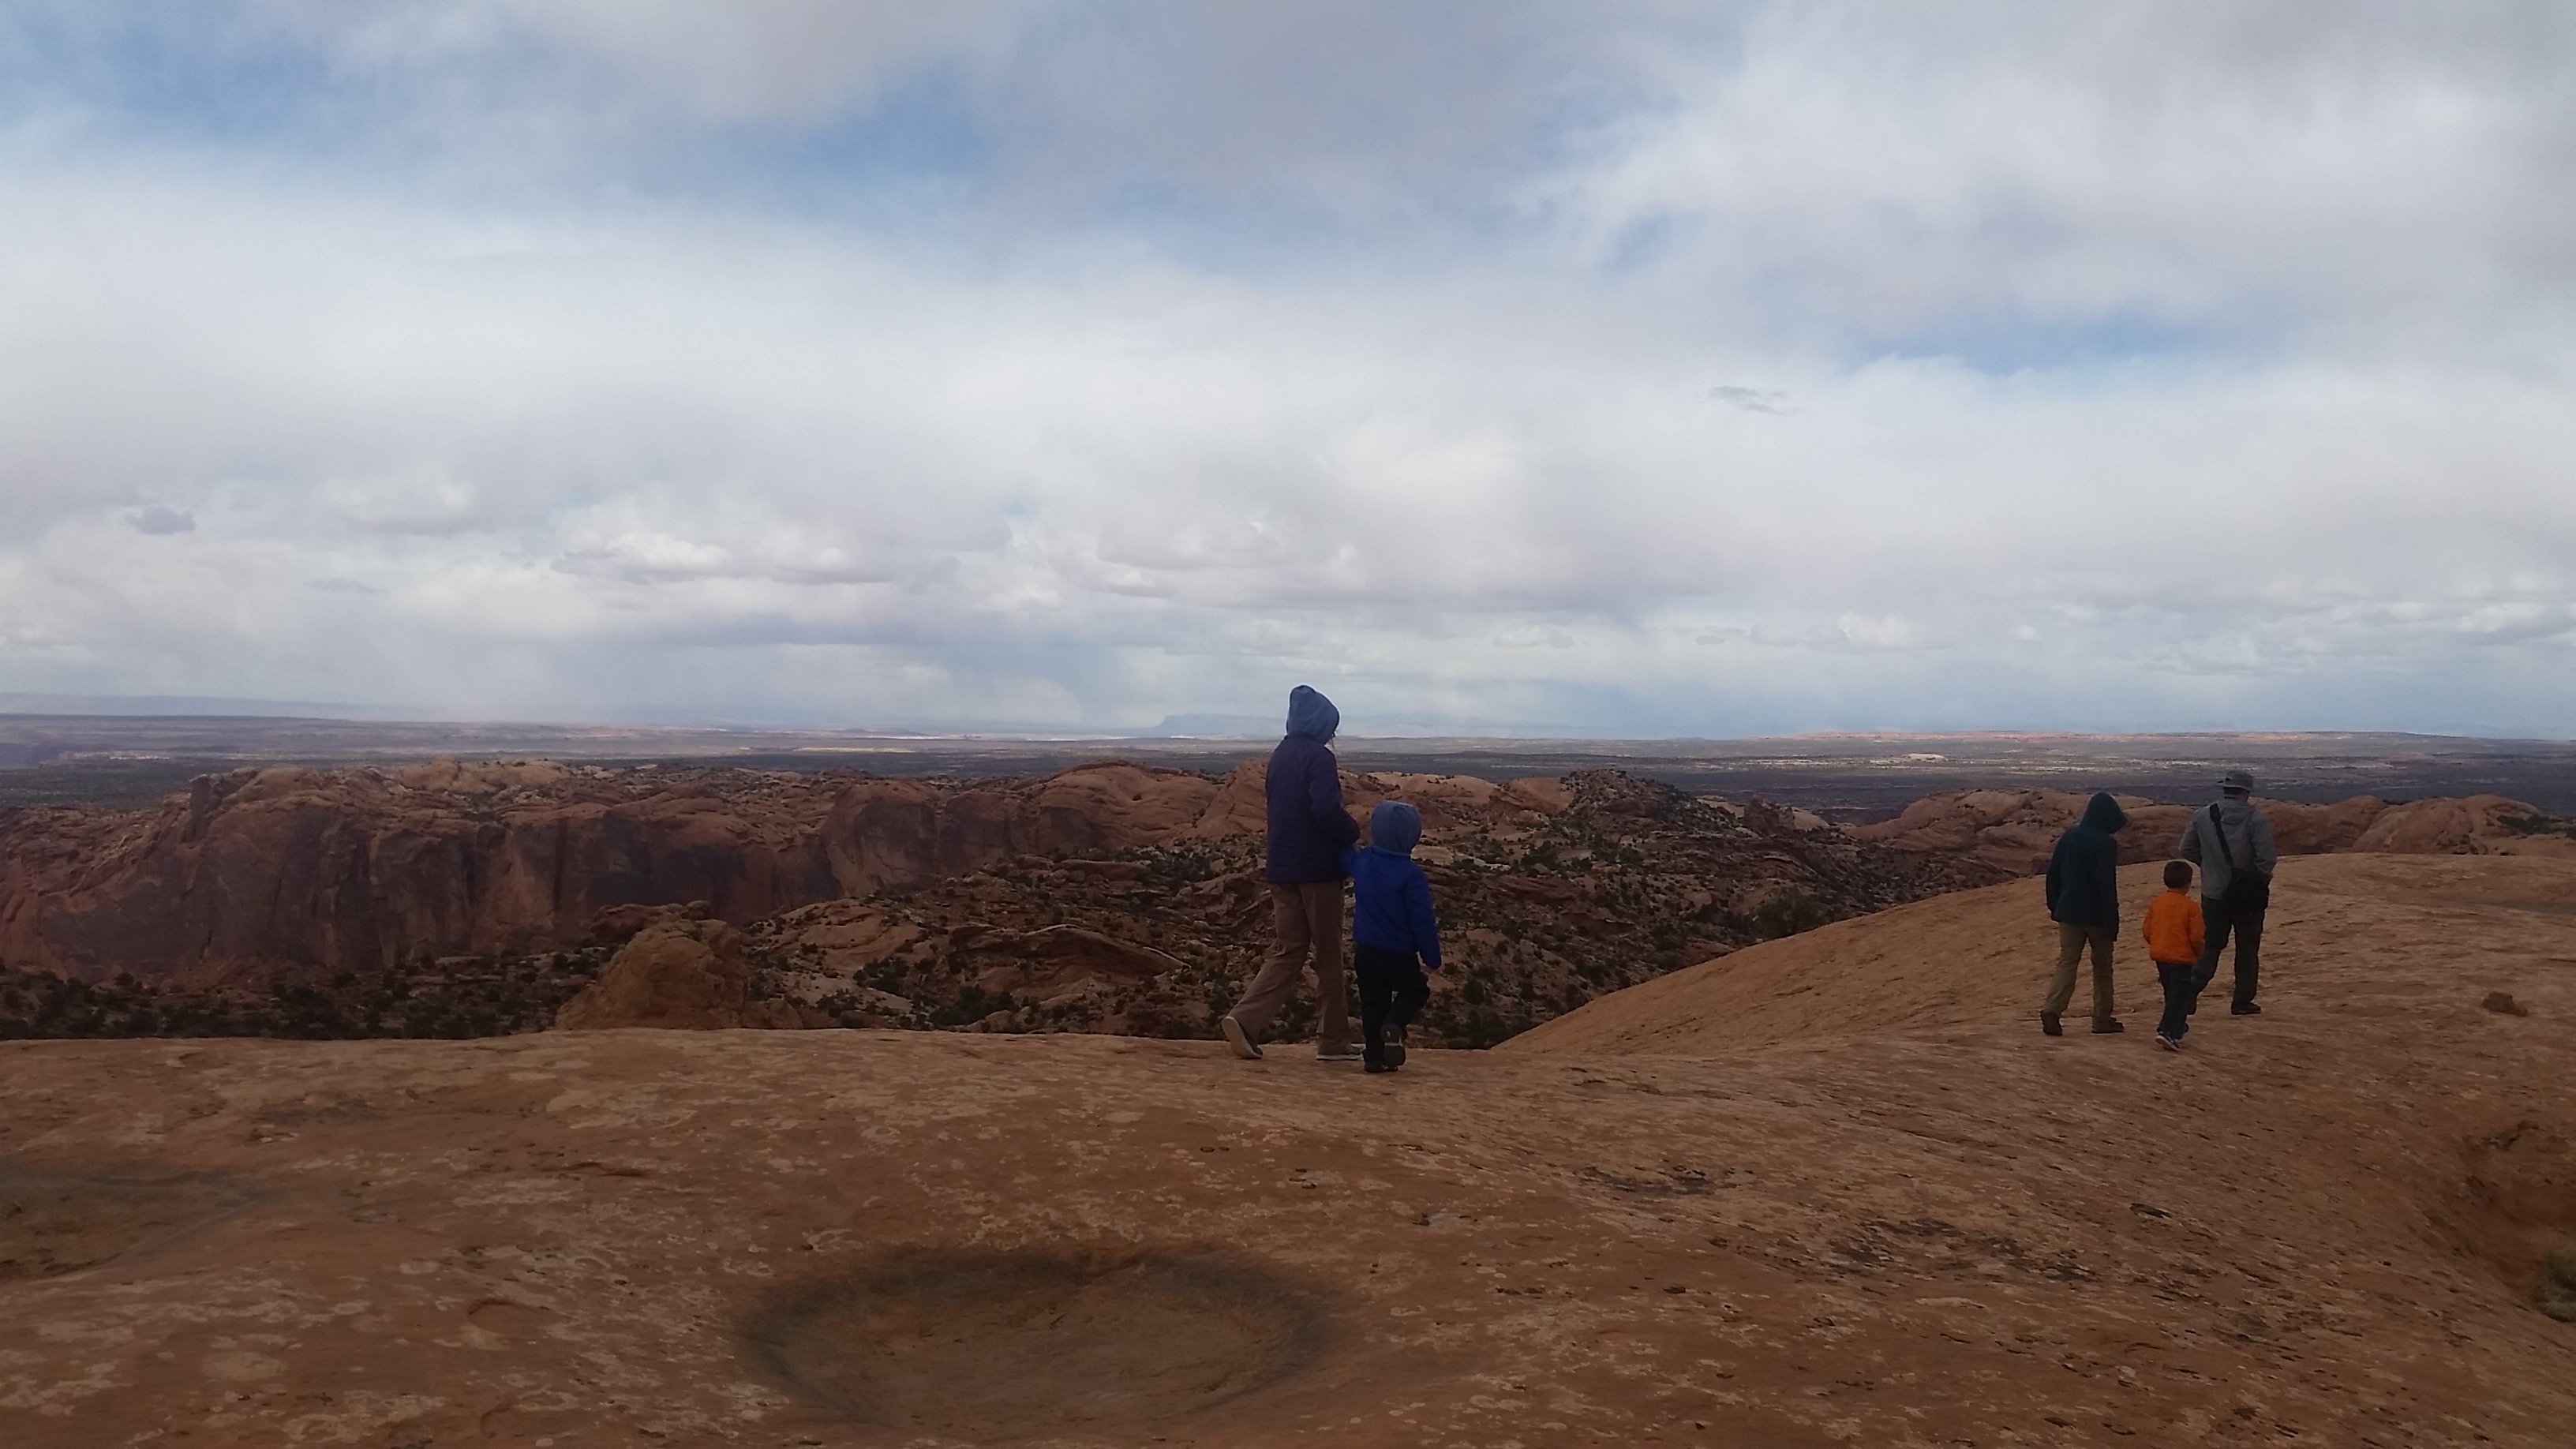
{"x":2177,"y":978}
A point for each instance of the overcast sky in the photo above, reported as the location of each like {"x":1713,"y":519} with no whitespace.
{"x":1641,"y":370}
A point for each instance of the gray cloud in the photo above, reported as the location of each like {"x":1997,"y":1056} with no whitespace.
{"x":2145,"y":372}
{"x":161,"y":521}
{"x":1751,"y":399}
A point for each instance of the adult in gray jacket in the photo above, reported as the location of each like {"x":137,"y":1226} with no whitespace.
{"x":2231,"y":842}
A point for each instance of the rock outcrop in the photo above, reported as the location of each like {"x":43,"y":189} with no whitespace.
{"x":2014,"y":830}
{"x":1832,"y":1189}
{"x":1550,"y":893}
{"x":293,"y":873}
{"x":685,"y":974}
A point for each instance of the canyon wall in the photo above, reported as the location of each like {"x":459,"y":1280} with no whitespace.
{"x":291,"y":871}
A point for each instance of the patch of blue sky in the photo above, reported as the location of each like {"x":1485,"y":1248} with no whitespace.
{"x":182,"y":73}
{"x":2002,"y":344}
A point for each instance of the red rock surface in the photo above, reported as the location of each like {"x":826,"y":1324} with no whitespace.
{"x":354,"y":903}
{"x":2014,"y":830}
{"x":1828,"y":1190}
{"x":689,"y":975}
{"x":1554,"y":893}
{"x":287,"y":872}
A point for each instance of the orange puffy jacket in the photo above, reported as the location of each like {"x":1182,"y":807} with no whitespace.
{"x":2173,"y":928}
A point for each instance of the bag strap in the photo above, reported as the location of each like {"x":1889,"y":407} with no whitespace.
{"x":2218,"y":828}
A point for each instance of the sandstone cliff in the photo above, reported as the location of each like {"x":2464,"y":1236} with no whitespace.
{"x":263,"y":873}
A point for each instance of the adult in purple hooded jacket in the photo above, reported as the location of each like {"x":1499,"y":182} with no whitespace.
{"x":1302,"y":860}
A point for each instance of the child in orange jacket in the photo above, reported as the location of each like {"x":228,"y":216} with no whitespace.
{"x":2173,"y":943}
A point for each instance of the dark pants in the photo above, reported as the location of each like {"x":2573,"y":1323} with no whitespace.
{"x":2216,"y":921}
{"x":1391,"y":991}
{"x":2176,"y":978}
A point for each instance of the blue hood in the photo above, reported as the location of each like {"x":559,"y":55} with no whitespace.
{"x":1311,"y":715}
{"x":1395,"y":826}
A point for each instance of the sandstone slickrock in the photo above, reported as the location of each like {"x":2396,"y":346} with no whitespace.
{"x":1828,"y":1189}
{"x":2014,"y":830}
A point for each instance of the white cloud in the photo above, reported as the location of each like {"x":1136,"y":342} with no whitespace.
{"x":1806,"y":367}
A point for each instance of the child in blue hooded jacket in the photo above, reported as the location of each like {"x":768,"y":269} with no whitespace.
{"x":1391,"y":926}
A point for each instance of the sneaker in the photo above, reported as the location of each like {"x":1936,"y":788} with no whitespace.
{"x":2108,"y":1026}
{"x":1395,"y":1051}
{"x":1376,"y":1067}
{"x":2048,"y":1023}
{"x":2166,"y":1043}
{"x":2244,"y":1008}
{"x":1338,"y":1054}
{"x":1235,"y":1037}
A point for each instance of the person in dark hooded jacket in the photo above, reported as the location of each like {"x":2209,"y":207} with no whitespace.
{"x":1302,"y":860}
{"x":2084,"y":900}
{"x":1393,"y":932}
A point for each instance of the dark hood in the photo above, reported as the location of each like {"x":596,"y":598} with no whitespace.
{"x":2104,"y":814}
{"x":1311,"y":715}
{"x":1395,"y":826}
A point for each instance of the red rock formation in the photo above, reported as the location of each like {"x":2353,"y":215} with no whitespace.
{"x":685,"y":974}
{"x":2016,"y":829}
{"x":266,"y":873}
{"x":324,"y":871}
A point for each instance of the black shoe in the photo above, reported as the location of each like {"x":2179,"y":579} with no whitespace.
{"x":1395,"y":1050}
{"x":2108,"y":1026}
{"x":2244,"y":1008}
{"x":1239,"y":1039}
{"x":2048,"y":1024}
{"x":1376,"y":1067}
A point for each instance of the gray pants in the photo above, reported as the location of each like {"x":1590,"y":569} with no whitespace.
{"x":1306,"y":917}
{"x":2071,"y":941}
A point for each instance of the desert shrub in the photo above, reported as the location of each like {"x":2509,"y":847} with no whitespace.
{"x":970,"y":1006}
{"x":1786,"y":912}
{"x":2557,"y":1295}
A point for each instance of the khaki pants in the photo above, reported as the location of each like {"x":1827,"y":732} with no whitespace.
{"x":2071,"y":941}
{"x":1304,"y":917}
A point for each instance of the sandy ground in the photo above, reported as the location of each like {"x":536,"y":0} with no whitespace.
{"x":1832,"y":1190}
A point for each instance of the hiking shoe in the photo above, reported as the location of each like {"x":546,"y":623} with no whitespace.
{"x":2166,"y":1043}
{"x":1235,"y":1037}
{"x":2048,"y":1024}
{"x":1338,"y":1054}
{"x":1395,"y":1051}
{"x":1375,"y":1067}
{"x":2244,"y":1008}
{"x":2108,"y":1026}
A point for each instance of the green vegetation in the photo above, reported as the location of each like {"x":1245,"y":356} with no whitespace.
{"x":2557,"y":1295}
